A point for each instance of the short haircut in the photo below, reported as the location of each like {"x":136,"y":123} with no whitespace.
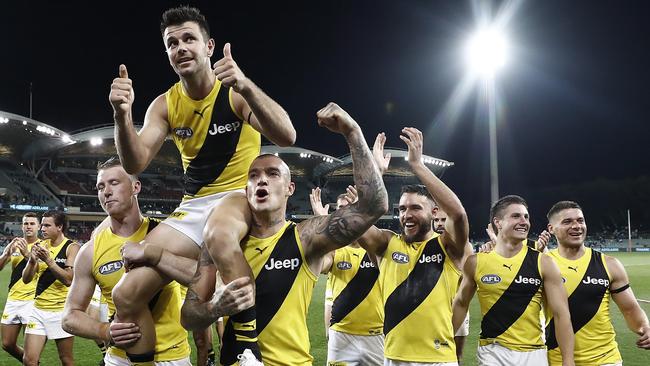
{"x":499,"y":206}
{"x":560,"y":206}
{"x":418,"y":189}
{"x":284,"y":164}
{"x":60,"y":219}
{"x":113,"y":162}
{"x":30,"y":214}
{"x":182,"y":14}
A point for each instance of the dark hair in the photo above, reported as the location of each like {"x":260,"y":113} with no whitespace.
{"x":499,"y":206}
{"x":417,"y":189}
{"x":60,"y":219}
{"x":30,"y":214}
{"x":182,"y":14}
{"x":560,"y":206}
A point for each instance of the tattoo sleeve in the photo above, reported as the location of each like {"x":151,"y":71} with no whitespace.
{"x":197,"y":312}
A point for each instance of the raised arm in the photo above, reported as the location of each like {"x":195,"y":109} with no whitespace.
{"x":465,"y":293}
{"x":252,"y":104}
{"x":456,"y":235}
{"x":556,"y":297}
{"x":322,"y":234}
{"x":29,"y":272}
{"x":622,"y":294}
{"x":136,"y":149}
{"x":205,"y":302}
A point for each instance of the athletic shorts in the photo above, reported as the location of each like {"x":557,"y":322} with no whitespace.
{"x":191,"y":215}
{"x":388,"y":362}
{"x":17,"y":312}
{"x":495,"y":355}
{"x":97,"y":302}
{"x":463,"y":331}
{"x":345,"y":349}
{"x":46,"y":323}
{"x":112,"y":360}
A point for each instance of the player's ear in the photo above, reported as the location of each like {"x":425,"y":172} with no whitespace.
{"x":291,"y":188}
{"x":210,"y":46}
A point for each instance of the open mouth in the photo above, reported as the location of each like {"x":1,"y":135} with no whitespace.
{"x":261,"y":193}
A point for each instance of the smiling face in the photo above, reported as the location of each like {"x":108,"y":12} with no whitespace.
{"x":514,"y":223}
{"x":569,"y":227}
{"x":30,"y":228}
{"x":188,"y":52}
{"x":269,"y":184}
{"x":415,"y":216}
{"x":116,"y":191}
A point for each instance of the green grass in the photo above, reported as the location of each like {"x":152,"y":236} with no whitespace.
{"x":637,"y":265}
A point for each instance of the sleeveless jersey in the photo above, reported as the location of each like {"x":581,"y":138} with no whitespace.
{"x":51,"y":293}
{"x":357,"y":307}
{"x":510,"y":296}
{"x":107,"y":269}
{"x":586,"y":281}
{"x":217,"y":146}
{"x":284,"y":286}
{"x":418,"y":283}
{"x":19,"y":290}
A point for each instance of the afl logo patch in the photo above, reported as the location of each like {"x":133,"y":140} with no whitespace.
{"x":490,"y":279}
{"x":344,"y":265}
{"x":400,"y":257}
{"x":110,"y":267}
{"x":183,"y":132}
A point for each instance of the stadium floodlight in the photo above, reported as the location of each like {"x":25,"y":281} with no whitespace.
{"x":487,"y":51}
{"x":96,"y":141}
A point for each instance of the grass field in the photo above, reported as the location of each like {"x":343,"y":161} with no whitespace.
{"x":637,"y":265}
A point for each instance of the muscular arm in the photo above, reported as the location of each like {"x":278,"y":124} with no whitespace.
{"x":30,"y":268}
{"x":64,"y":275}
{"x":267,"y":116}
{"x":635,"y":317}
{"x":556,"y":297}
{"x":375,"y":241}
{"x":465,"y":293}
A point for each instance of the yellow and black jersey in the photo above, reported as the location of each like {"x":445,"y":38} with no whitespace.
{"x":19,"y":290}
{"x":357,"y":307}
{"x":418,"y":282}
{"x":107,"y":269}
{"x":531,"y":243}
{"x":510,"y":296}
{"x":50,"y":292}
{"x":586,"y":281}
{"x":284,"y":286}
{"x":216,"y":145}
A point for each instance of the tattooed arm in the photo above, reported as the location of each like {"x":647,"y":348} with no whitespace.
{"x":206,"y":302}
{"x":322,"y":234}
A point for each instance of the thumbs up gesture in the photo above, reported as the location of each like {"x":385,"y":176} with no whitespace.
{"x":229,"y":73}
{"x":122,"y":95}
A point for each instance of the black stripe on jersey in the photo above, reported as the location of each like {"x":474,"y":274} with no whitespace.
{"x":514,"y":300}
{"x":355,"y":292}
{"x":17,"y":272}
{"x":414,"y":290}
{"x":47,"y":278}
{"x":154,"y":300}
{"x":153,"y":222}
{"x":585,"y":300}
{"x":218,"y":147}
{"x":531,"y":243}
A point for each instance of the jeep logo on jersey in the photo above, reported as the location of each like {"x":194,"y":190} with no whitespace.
{"x":291,"y":264}
{"x":596,"y":281}
{"x":111,"y":267}
{"x":344,"y":265}
{"x":435,"y":258}
{"x":400,"y":257}
{"x":228,"y":127}
{"x":366,"y":264}
{"x":60,"y":260}
{"x":490,"y":279}
{"x":183,"y":132}
{"x":528,"y":280}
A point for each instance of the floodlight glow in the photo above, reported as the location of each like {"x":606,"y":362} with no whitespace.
{"x":66,"y":139}
{"x":96,"y":141}
{"x":24,"y":123}
{"x":487,"y":52}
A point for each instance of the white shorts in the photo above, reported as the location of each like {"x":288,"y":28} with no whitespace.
{"x":388,"y":362}
{"x":345,"y":349}
{"x":46,"y":323}
{"x":17,"y":312}
{"x":96,"y":301}
{"x":112,"y":360}
{"x":463,"y":331}
{"x":495,"y":355}
{"x":191,"y":215}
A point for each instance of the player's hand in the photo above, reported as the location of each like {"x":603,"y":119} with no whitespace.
{"x":351,"y":195}
{"x":122,"y":94}
{"x":123,"y":335}
{"x":381,"y":160}
{"x":413,"y":139}
{"x":542,"y":241}
{"x":232,"y":298}
{"x":317,"y":204}
{"x":40,"y":253}
{"x":21,"y":245}
{"x":133,"y":255}
{"x":489,"y":246}
{"x":335,"y":119}
{"x":229,"y":73}
{"x":9,"y":248}
{"x":644,"y":338}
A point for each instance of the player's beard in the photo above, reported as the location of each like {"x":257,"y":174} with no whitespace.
{"x":424,"y":228}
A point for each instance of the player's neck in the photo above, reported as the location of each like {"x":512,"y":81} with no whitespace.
{"x":571,"y":252}
{"x":31,"y":239}
{"x":267,"y":223}
{"x":508,"y":247}
{"x":199,"y":85}
{"x":57,"y":241}
{"x":127,"y":225}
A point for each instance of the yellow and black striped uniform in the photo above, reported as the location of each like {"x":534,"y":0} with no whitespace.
{"x":586,"y":281}
{"x":418,"y":283}
{"x":50,"y":292}
{"x":19,"y":290}
{"x":357,"y":306}
{"x":217,"y":146}
{"x":510,"y":296}
{"x":107,"y":269}
{"x":284,"y":286}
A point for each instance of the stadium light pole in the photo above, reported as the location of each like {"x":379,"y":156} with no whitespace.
{"x":486,"y":54}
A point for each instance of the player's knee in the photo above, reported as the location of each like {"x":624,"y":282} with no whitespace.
{"x":125,"y":300}
{"x":8,"y":345}
{"x":221,"y":241}
{"x":30,"y":360}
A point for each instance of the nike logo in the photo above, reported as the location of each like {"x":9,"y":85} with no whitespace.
{"x":202,"y":111}
{"x":261,"y":250}
{"x":573,"y":268}
{"x":509,"y":267}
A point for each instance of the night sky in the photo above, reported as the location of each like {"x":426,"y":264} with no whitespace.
{"x":573,"y":96}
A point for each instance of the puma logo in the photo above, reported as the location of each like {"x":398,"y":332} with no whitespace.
{"x":261,"y":250}
{"x":574,"y":268}
{"x":202,"y":111}
{"x":355,"y":254}
{"x":509,"y":267}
